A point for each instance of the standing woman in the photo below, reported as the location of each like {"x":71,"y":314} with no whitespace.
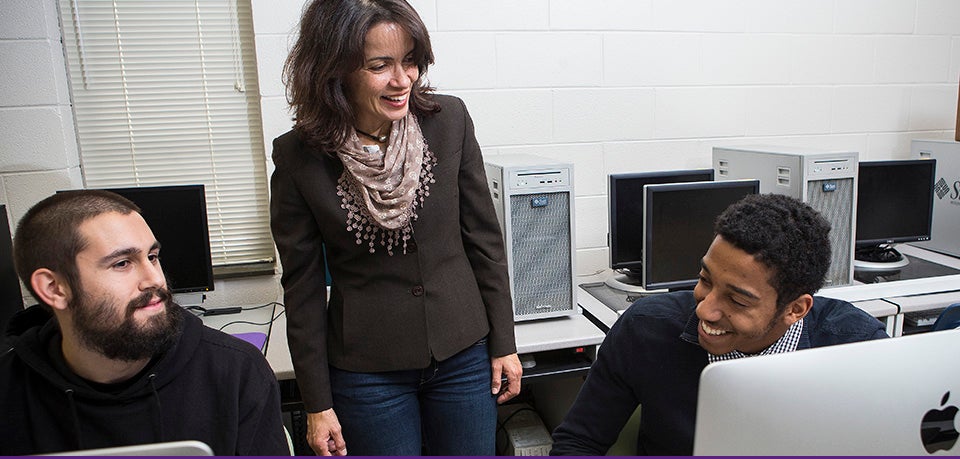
{"x":385,"y":183}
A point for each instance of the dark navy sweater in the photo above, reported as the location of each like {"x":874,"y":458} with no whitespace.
{"x":651,"y":357}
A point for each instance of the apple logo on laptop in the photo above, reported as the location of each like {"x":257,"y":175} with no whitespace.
{"x":938,"y":429}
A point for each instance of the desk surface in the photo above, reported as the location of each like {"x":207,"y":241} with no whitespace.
{"x":252,"y":318}
{"x":901,"y":288}
{"x":878,"y":299}
{"x":278,"y":353}
{"x":557,"y":333}
{"x":260,"y":319}
{"x":532,"y":336}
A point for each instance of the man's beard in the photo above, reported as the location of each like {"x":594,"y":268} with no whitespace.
{"x":117,"y":335}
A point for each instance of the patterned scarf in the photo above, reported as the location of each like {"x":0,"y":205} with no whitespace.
{"x":382,"y":191}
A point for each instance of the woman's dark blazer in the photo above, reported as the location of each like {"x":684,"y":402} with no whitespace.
{"x":449,"y":290}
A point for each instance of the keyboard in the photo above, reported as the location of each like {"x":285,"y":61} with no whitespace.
{"x":923,"y":318}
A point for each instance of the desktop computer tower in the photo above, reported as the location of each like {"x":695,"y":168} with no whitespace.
{"x":945,"y":234}
{"x":533,"y":197}
{"x":827,"y":181}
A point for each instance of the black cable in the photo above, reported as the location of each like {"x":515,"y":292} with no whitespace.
{"x":253,"y":308}
{"x":272,"y":320}
{"x":202,"y":311}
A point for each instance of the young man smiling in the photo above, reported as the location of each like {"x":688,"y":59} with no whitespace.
{"x":107,"y":359}
{"x":754,"y":297}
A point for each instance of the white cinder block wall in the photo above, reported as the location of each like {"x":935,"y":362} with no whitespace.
{"x":631,"y":85}
{"x":38,"y":144}
{"x":609,"y":85}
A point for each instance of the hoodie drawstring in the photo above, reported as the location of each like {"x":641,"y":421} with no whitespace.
{"x":156,"y":396}
{"x":75,"y":416}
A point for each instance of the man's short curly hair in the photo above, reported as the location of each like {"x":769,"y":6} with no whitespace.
{"x":786,"y":235}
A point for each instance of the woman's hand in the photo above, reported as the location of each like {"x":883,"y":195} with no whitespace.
{"x":507,"y":366}
{"x":324,"y":435}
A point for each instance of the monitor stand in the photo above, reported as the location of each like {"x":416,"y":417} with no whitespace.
{"x":629,"y":282}
{"x":879,"y":258}
{"x":189,"y":299}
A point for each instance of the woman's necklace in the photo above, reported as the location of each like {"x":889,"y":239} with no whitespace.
{"x":378,"y":138}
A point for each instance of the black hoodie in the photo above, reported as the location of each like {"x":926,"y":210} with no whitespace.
{"x":208,"y":386}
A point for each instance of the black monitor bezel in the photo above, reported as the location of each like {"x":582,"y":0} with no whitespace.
{"x":932,"y":166}
{"x":208,"y":285}
{"x":650,"y":193}
{"x":615,"y":236}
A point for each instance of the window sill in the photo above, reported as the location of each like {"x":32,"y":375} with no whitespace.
{"x":244,"y":270}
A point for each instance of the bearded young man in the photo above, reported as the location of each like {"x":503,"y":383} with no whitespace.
{"x":754,"y":297}
{"x":107,"y":359}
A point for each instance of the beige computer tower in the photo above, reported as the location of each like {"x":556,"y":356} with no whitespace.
{"x":533,"y":197}
{"x":945,"y":234}
{"x":825,"y":180}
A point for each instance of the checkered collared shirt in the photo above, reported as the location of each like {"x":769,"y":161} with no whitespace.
{"x":787,"y":343}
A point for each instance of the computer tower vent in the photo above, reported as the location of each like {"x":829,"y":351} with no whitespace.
{"x":834,"y":200}
{"x":540,"y":226}
{"x":826,"y":180}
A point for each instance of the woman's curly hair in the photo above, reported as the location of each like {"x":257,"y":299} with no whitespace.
{"x":329,"y":47}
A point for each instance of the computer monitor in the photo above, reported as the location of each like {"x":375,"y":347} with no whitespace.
{"x":177,"y":214}
{"x":896,"y":396}
{"x":11,"y":298}
{"x":172,"y":448}
{"x":625,"y":194}
{"x":894,"y":204}
{"x":678,"y":228}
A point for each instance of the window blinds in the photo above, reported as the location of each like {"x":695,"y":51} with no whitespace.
{"x":165,"y":93}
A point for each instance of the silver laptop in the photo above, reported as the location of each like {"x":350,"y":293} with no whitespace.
{"x":173,"y":448}
{"x":896,"y":396}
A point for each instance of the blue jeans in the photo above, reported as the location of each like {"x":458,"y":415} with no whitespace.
{"x":446,"y":408}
